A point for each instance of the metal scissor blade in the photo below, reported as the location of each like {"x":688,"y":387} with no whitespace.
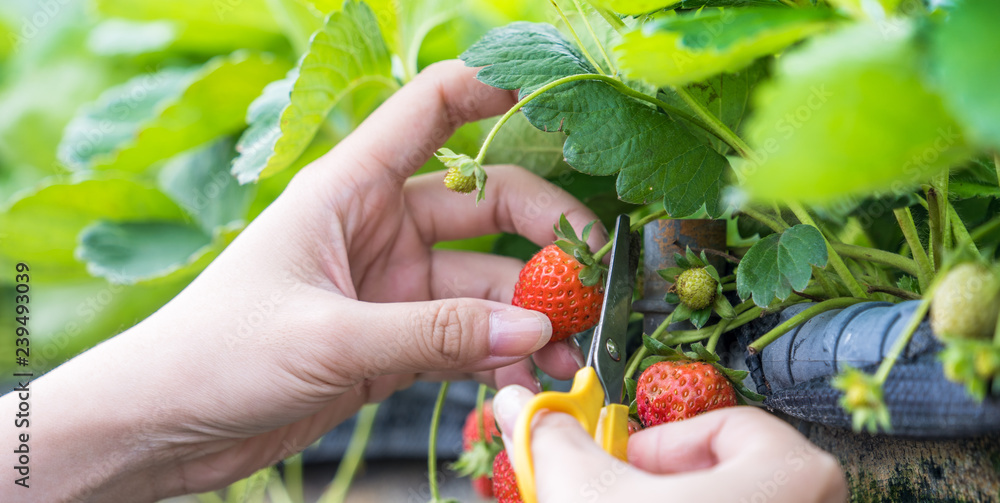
{"x":607,"y":350}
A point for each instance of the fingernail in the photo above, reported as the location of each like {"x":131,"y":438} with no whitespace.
{"x":507,"y":405}
{"x":518,"y":332}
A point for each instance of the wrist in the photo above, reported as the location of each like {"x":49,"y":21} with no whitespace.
{"x":88,"y":436}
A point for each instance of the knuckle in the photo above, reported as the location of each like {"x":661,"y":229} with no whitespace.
{"x":444,"y":327}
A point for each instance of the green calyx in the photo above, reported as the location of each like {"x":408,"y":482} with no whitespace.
{"x":973,"y":363}
{"x":863,"y":399}
{"x":478,"y":461}
{"x":696,"y":289}
{"x":592,"y":272}
{"x":464,"y":174}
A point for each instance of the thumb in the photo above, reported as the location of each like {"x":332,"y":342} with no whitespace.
{"x":568,"y":463}
{"x":461,"y":334}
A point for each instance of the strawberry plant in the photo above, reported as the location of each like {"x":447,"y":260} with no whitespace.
{"x":850,"y":147}
{"x":857,"y":166}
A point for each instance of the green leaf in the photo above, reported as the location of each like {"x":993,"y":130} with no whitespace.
{"x":677,"y":50}
{"x":964,"y":53}
{"x":630,"y":385}
{"x":199,"y":180}
{"x":859,"y":88}
{"x":406,"y":24}
{"x":523,"y":145}
{"x":155,"y":116}
{"x":656,"y":347}
{"x":701,"y":353}
{"x":726,"y":96}
{"x":635,"y":7}
{"x":347,"y":54}
{"x":224,"y":14}
{"x":46,"y":222}
{"x":605,"y":128}
{"x":671,"y":298}
{"x":780,"y":263}
{"x":650,"y":361}
{"x":130,"y":251}
{"x":115,"y":37}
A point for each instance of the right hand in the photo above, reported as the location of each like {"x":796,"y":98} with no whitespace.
{"x":735,"y":454}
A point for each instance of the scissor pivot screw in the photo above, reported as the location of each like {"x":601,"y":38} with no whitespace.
{"x":613,"y":350}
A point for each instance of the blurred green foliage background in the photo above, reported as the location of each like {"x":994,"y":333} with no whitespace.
{"x":119,"y":126}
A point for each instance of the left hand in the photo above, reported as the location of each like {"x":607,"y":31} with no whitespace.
{"x":332,"y":298}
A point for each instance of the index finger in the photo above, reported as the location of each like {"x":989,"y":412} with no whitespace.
{"x":409,"y":127}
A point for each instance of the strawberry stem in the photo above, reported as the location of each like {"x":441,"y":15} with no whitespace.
{"x":348,"y":468}
{"x":432,"y":443}
{"x":633,"y":362}
{"x":904,"y":338}
{"x":586,"y":22}
{"x":656,"y":215}
{"x":924,"y":268}
{"x":579,"y":43}
{"x":716,"y":334}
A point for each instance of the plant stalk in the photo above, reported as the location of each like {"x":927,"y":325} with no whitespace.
{"x":579,"y":43}
{"x":936,"y":246}
{"x":763,"y":218}
{"x":894,"y":291}
{"x":924,"y":268}
{"x":293,"y":477}
{"x":839,"y":303}
{"x":432,"y":443}
{"x":717,"y":126}
{"x":961,"y":232}
{"x":883,"y":257}
{"x":634,"y":360}
{"x":480,"y":417}
{"x":337,"y":491}
{"x":904,"y":338}
{"x":838,"y":263}
{"x":656,"y":215}
{"x":590,"y":28}
{"x":713,"y":341}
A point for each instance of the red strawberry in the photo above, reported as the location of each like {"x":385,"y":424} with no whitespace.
{"x":477,"y":456}
{"x":633,"y":427}
{"x":675,"y":390}
{"x":550,"y":283}
{"x":504,"y":480}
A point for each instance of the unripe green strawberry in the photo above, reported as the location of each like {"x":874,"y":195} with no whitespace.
{"x":674,"y":390}
{"x":696,"y":288}
{"x":456,"y":181}
{"x":966,"y":303}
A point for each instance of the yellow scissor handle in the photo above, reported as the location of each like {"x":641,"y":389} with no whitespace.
{"x":585,"y":402}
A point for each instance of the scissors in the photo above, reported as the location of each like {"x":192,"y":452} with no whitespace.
{"x":596,"y":395}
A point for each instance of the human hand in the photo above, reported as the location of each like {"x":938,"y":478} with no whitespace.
{"x":738,"y":454}
{"x":332,"y":298}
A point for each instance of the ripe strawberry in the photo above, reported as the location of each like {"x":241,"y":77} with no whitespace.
{"x":456,"y":181}
{"x":634,"y":427}
{"x":504,"y":480}
{"x":675,"y":390}
{"x":696,"y":288}
{"x":550,"y":283}
{"x":563,"y":281}
{"x":478,"y":453}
